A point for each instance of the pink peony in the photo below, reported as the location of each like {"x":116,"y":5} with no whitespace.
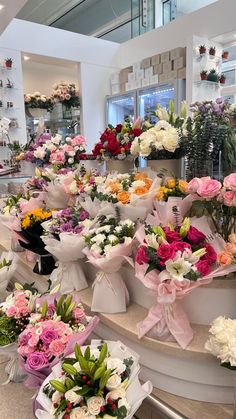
{"x":142,"y":256}
{"x":211,"y":255}
{"x":209,"y":188}
{"x":194,"y":184}
{"x":229,"y":198}
{"x":203,"y":267}
{"x":56,"y":347}
{"x":166,"y":252}
{"x":171,"y":236}
{"x":195,"y":236}
{"x":230,"y":182}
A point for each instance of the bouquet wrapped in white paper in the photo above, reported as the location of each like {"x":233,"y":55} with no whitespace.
{"x":8,"y":265}
{"x":109,"y":244}
{"x":103,"y":381}
{"x":65,"y":241}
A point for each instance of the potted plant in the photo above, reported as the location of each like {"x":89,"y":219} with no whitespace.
{"x":8,"y":62}
{"x":202,"y":49}
{"x":225,"y":55}
{"x":222,"y":79}
{"x":212,"y":51}
{"x":213,"y":76}
{"x":203,"y":75}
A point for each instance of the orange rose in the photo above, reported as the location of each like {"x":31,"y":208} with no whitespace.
{"x":115,"y":186}
{"x":183,"y":185}
{"x":224,"y":258}
{"x":230,"y":248}
{"x":148,"y":182}
{"x":159,"y":195}
{"x":141,"y":190}
{"x":140,"y":176}
{"x":170,"y":183}
{"x":123,"y":197}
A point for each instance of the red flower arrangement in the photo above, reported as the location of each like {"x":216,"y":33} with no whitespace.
{"x":115,"y":142}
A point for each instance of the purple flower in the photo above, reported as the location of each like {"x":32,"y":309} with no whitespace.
{"x":36,"y":360}
{"x":67,"y":213}
{"x":78,"y":229}
{"x":219,"y":100}
{"x":83,"y":215}
{"x":66,"y":227}
{"x":48,"y":336}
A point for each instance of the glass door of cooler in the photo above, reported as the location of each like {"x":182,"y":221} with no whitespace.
{"x":162,"y":93}
{"x":120,"y":106}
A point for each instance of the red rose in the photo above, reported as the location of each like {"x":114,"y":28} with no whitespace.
{"x":108,"y":133}
{"x":210,"y":256}
{"x":195,"y":236}
{"x":182,"y":246}
{"x":127,"y":146}
{"x":166,"y":252}
{"x":97,"y":149}
{"x":142,"y":256}
{"x":172,"y":236}
{"x":203,"y":267}
{"x":136,"y":132}
{"x":113,"y":147}
{"x":119,"y":128}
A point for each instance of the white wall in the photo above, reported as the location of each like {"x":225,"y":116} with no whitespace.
{"x":40,"y":77}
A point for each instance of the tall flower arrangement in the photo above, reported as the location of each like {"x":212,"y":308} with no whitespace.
{"x":67,"y":94}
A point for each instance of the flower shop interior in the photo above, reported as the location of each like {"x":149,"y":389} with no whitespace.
{"x":117,"y":209}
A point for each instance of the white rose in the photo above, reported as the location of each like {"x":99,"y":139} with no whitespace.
{"x":73,"y":187}
{"x":145,"y":148}
{"x":118,"y":393}
{"x":39,"y":153}
{"x":71,"y":160}
{"x":96,"y":249}
{"x":99,"y":238}
{"x":71,"y":153}
{"x":57,"y":139}
{"x":116,"y":364}
{"x":99,"y":180}
{"x":162,"y":125}
{"x":112,"y":238}
{"x":171,"y":140}
{"x":71,"y":395}
{"x":138,"y":183}
{"x":94,"y":405}
{"x":113,"y":382}
{"x":56,"y":397}
{"x":80,"y":413}
{"x":124,"y":402}
{"x":135,"y":148}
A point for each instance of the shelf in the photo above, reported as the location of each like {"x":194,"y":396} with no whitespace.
{"x":215,"y":59}
{"x":207,"y":83}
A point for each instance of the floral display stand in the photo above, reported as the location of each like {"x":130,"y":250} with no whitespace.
{"x":173,"y":166}
{"x":121,"y":166}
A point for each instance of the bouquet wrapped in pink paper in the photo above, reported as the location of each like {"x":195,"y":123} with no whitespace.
{"x":171,"y":262}
{"x":64,"y":239}
{"x":52,"y":333}
{"x":109,"y":243}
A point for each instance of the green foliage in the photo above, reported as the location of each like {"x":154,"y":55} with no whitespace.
{"x":8,"y":332}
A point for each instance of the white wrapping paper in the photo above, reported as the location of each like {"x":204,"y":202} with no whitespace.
{"x":12,"y":368}
{"x":7,"y":272}
{"x":68,"y":250}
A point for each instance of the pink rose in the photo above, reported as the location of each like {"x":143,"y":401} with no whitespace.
{"x":171,"y":236}
{"x":230,"y":182}
{"x":229,"y":198}
{"x":195,"y":236}
{"x":10,"y":312}
{"x":56,"y":347}
{"x":78,"y":140}
{"x":57,"y":157}
{"x":182,"y":246}
{"x":203,"y":267}
{"x":36,"y":360}
{"x":194,"y":184}
{"x":166,"y":252}
{"x":78,"y":313}
{"x":33,"y":340}
{"x":142,"y":256}
{"x":48,"y":336}
{"x":23,"y":310}
{"x":211,"y":255}
{"x":209,"y":188}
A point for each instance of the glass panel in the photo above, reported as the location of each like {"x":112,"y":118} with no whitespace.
{"x":142,"y":16}
{"x":166,"y":12}
{"x":119,"y":107}
{"x":151,"y":97}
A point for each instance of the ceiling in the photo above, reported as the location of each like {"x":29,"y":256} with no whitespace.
{"x":9,"y":11}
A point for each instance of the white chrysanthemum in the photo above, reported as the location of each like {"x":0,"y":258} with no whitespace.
{"x":96,"y":249}
{"x":162,"y":125}
{"x":99,"y":238}
{"x":135,"y":147}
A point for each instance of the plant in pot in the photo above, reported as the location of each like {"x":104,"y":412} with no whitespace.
{"x":213,"y":76}
{"x":203,"y":75}
{"x":202,"y":49}
{"x":212,"y":51}
{"x":225,"y":55}
{"x":8,"y":62}
{"x":222,"y":79}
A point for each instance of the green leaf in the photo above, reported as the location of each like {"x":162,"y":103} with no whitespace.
{"x":83,"y":363}
{"x":103,"y":353}
{"x":68,"y":302}
{"x":58,"y":386}
{"x":69,"y":383}
{"x":99,"y":372}
{"x":59,"y":304}
{"x":84,"y":390}
{"x":70,"y":309}
{"x":78,"y":352}
{"x":87,"y":353}
{"x":44,"y":309}
{"x":69,"y":368}
{"x":104,"y":378}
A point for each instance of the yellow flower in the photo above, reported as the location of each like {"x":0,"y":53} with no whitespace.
{"x":171,"y":183}
{"x":183,"y":185}
{"x":159,"y":195}
{"x":25,"y":222}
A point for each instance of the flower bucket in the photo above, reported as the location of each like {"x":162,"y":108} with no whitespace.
{"x":173,"y":166}
{"x":37,"y":112}
{"x":120,"y":166}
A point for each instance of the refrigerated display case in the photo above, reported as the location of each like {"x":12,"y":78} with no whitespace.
{"x":120,"y":106}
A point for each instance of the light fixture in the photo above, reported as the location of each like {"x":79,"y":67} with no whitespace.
{"x":26,"y":58}
{"x":1,"y":7}
{"x":235,"y":35}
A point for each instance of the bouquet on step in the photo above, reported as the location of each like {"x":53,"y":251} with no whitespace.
{"x":109,"y":243}
{"x":97,"y":381}
{"x":171,"y":262}
{"x":64,"y":239}
{"x":59,"y":322}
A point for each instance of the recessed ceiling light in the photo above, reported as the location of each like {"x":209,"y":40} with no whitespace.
{"x":26,"y":58}
{"x":1,"y":6}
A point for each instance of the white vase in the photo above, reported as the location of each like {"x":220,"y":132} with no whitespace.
{"x":120,"y":166}
{"x":173,"y":166}
{"x":37,"y":112}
